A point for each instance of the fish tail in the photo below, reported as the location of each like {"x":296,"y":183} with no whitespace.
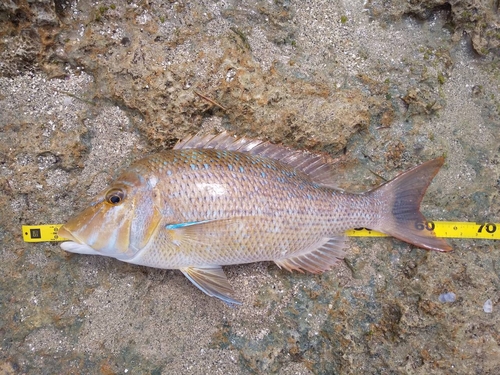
{"x":401,"y":199}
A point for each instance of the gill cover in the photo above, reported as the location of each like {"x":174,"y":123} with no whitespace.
{"x":119,"y":223}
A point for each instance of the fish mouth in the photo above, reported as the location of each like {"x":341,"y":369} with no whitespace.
{"x":65,"y":234}
{"x":73,"y":244}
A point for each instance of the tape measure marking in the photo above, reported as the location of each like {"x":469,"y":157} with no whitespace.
{"x":443,"y":229}
{"x":42,"y":233}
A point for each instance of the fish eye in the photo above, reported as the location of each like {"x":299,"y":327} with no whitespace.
{"x":115,"y":196}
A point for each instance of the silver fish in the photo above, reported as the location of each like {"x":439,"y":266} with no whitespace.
{"x":220,"y":200}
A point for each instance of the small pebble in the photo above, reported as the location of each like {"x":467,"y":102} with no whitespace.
{"x":488,"y":306}
{"x":447,"y":297}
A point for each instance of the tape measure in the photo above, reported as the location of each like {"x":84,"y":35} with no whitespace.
{"x":444,"y":229}
{"x":42,"y":233}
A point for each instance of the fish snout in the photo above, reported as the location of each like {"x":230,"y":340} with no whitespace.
{"x":65,"y":234}
{"x":73,"y":244}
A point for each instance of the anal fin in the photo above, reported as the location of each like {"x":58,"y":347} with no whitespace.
{"x":211,"y":280}
{"x":318,"y":257}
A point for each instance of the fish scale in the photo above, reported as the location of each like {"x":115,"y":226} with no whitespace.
{"x":249,"y":194}
{"x":219,"y":200}
{"x":268,"y":202}
{"x":271,"y":188}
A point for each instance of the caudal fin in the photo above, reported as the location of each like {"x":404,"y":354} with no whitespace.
{"x":401,"y":197}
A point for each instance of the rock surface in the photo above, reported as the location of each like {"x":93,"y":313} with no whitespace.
{"x":86,"y":87}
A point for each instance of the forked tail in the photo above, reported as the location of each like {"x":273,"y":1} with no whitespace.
{"x":401,"y":198}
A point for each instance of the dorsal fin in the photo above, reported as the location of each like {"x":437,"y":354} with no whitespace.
{"x":314,"y":165}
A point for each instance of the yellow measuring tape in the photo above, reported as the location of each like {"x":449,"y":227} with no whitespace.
{"x":444,"y":229}
{"x":41,"y":233}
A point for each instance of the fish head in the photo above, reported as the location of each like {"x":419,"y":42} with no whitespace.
{"x":119,"y":222}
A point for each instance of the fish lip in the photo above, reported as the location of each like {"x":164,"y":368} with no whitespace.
{"x":72,"y":244}
{"x":68,"y":236}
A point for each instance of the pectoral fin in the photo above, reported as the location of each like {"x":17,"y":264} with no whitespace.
{"x":211,"y":280}
{"x":206,"y":231}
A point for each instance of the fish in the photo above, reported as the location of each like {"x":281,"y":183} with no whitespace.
{"x":219,"y":200}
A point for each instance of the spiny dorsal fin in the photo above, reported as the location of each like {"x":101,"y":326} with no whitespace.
{"x":314,"y":165}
